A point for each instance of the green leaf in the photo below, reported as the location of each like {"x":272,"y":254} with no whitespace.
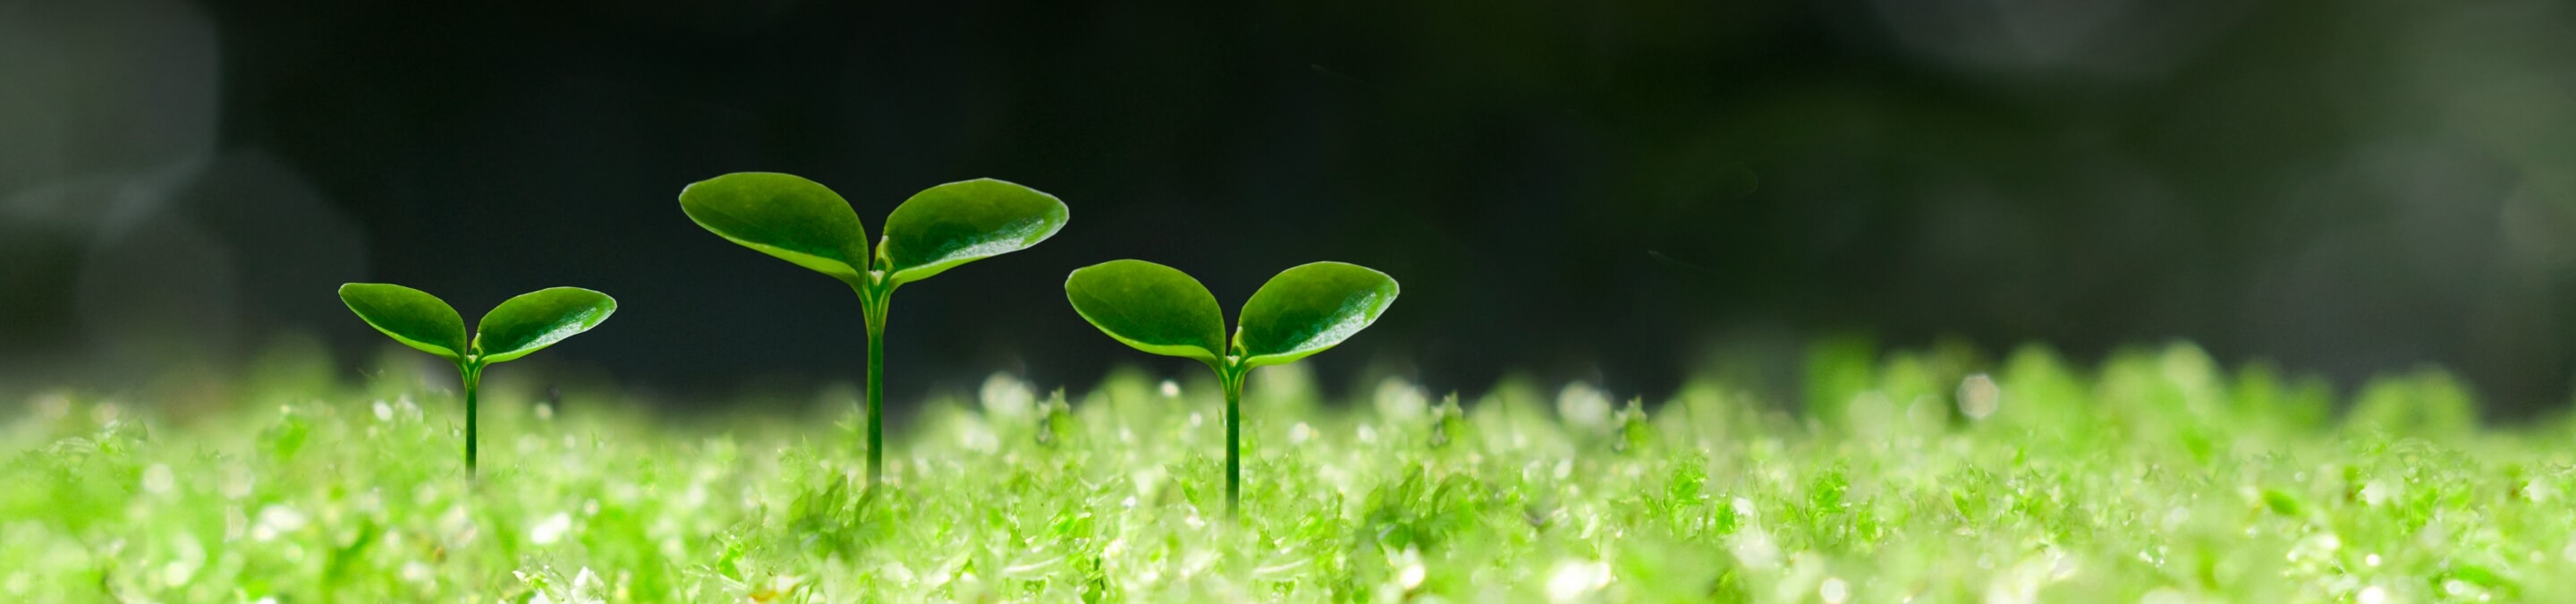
{"x":1310,"y":308}
{"x":782,"y":215}
{"x":410,"y":316}
{"x":537,"y":319}
{"x":960,"y":222}
{"x":1155,"y":308}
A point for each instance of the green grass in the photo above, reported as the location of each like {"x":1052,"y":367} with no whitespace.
{"x":2157,"y":477}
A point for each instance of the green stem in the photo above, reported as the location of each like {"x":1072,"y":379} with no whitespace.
{"x":873,"y":301}
{"x":473,"y":374}
{"x":1231,"y":378}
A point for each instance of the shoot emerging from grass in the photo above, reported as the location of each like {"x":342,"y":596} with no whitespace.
{"x":803,"y":222}
{"x":520,"y":325}
{"x":1161,"y":310}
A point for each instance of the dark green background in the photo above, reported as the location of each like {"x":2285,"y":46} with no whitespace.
{"x":1586,"y":189}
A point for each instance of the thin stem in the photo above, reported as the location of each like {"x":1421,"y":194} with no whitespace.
{"x":1232,"y":379}
{"x":473,"y":374}
{"x":876,"y":405}
{"x":873,"y":301}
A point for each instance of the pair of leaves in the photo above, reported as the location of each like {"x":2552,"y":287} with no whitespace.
{"x":803,"y":222}
{"x":1161,"y":310}
{"x":521,"y":325}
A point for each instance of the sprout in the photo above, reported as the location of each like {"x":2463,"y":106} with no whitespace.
{"x":1633,"y":429}
{"x":803,"y":222}
{"x":1161,"y":310}
{"x":1055,"y":419}
{"x":520,"y":325}
{"x":1446,"y":418}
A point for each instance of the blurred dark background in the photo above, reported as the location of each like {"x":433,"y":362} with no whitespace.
{"x":1584,"y":189}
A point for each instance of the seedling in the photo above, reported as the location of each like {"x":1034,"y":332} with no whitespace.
{"x":1055,"y":419}
{"x":1161,"y":310}
{"x":1633,"y":429}
{"x":1446,"y":418}
{"x":803,"y":222}
{"x":520,"y":325}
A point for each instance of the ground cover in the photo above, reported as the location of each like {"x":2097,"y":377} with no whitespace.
{"x":2157,"y":476}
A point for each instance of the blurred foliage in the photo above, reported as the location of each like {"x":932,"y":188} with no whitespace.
{"x":2158,"y":476}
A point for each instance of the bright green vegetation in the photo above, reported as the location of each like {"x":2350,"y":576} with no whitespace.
{"x":2157,"y":477}
{"x":1301,"y":311}
{"x":803,"y":222}
{"x":521,"y":325}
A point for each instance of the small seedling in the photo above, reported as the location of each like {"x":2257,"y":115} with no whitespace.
{"x":1055,"y":419}
{"x":1446,"y":418}
{"x":1633,"y":429}
{"x":1161,"y":310}
{"x":520,"y":325}
{"x":803,"y":222}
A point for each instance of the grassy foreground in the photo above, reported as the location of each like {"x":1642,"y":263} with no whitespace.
{"x":2156,"y":478}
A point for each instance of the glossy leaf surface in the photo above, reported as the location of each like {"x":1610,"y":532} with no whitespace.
{"x":782,"y":215}
{"x":1155,"y":308}
{"x":960,"y":222}
{"x":410,"y":316}
{"x":1310,"y":308}
{"x":535,"y":320}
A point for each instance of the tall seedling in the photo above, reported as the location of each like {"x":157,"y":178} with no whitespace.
{"x":1161,"y":310}
{"x":803,"y":222}
{"x":520,"y":325}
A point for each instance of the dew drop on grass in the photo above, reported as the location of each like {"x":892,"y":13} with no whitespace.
{"x":2377,"y":493}
{"x":158,"y":480}
{"x":384,"y":412}
{"x":550,"y":530}
{"x":1979,"y":397}
{"x":1171,"y":389}
{"x":191,"y":556}
{"x":1583,"y":406}
{"x":1572,"y":579}
{"x":2174,"y":518}
{"x":1398,"y":400}
{"x":1834,"y":591}
{"x":275,"y":520}
{"x":2434,"y":536}
{"x":1007,"y":396}
{"x":1409,"y":571}
{"x":1754,"y":549}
